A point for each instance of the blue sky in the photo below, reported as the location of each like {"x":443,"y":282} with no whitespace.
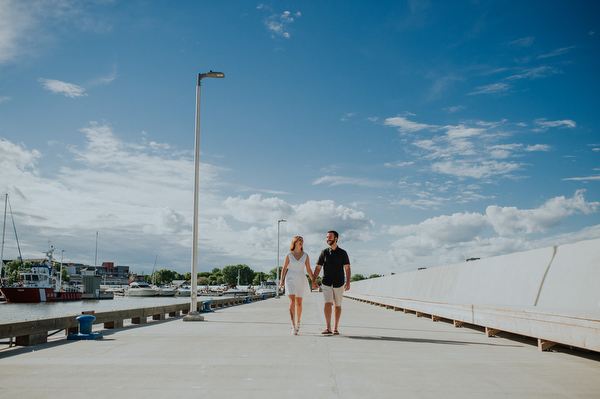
{"x":425,"y":132}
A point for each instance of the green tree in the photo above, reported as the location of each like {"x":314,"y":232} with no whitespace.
{"x":259,"y":277}
{"x":357,"y":277}
{"x":65,"y":276}
{"x":230,"y":274}
{"x":203,"y":280}
{"x":273,"y":272}
{"x":13,"y":269}
{"x":165,"y":276}
{"x":374,"y":275}
{"x":216,"y":278}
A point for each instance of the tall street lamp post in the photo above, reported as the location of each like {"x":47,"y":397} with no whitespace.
{"x":193,"y":314}
{"x":277,"y":288}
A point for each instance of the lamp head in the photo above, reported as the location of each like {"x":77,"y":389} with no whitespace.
{"x":210,"y":74}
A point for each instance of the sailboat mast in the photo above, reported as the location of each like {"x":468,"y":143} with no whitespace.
{"x":154,"y":271}
{"x":3,"y":234}
{"x":15,"y":229}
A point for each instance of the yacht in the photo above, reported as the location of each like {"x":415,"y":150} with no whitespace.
{"x":140,"y":288}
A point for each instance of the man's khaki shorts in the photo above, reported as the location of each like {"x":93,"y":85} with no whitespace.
{"x":332,"y":294}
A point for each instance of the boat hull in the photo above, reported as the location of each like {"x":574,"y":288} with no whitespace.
{"x":140,"y":293}
{"x":33,"y":295}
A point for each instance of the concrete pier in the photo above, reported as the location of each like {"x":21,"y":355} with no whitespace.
{"x":248,"y":351}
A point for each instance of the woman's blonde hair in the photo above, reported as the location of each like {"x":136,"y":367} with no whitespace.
{"x":294,"y":243}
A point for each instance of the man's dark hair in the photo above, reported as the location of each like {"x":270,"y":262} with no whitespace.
{"x":335,"y":233}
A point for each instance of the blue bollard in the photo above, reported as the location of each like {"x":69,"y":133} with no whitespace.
{"x":85,"y":328}
{"x":207,"y":306}
{"x":264,"y":296}
{"x":85,"y":323}
{"x":247,"y":299}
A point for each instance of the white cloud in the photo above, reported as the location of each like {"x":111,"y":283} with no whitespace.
{"x":279,"y":24}
{"x":479,"y":170}
{"x":447,"y":239}
{"x":491,"y":89}
{"x":404,"y":125}
{"x":444,"y":230}
{"x":15,"y":21}
{"x":536,"y":73}
{"x":588,"y":178}
{"x":512,"y":221}
{"x":58,"y":87}
{"x":104,"y":80}
{"x":538,"y":147}
{"x":454,"y":109}
{"x":461,"y":131}
{"x":503,"y":151}
{"x":340,"y":180}
{"x":18,"y":166}
{"x":347,"y":117}
{"x":255,"y":209}
{"x":557,"y":52}
{"x":24,"y":24}
{"x":311,"y":219}
{"x":523,"y":42}
{"x":398,"y":164}
{"x":567,"y":123}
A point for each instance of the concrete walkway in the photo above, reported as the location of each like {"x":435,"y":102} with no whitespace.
{"x":248,"y":351}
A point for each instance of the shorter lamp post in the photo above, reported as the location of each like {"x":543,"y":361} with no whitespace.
{"x":277,"y":289}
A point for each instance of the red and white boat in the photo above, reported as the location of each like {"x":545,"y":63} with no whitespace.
{"x":39,"y":285}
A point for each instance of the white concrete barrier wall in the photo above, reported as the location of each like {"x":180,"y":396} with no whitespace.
{"x":549,"y":294}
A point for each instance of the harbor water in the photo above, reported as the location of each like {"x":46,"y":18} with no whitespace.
{"x":12,"y":312}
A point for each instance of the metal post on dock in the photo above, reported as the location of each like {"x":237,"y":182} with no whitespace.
{"x":193,"y":314}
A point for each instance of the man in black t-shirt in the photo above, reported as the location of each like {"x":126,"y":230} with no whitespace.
{"x":336,"y":279}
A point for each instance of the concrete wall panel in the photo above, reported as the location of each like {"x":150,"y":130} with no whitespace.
{"x":549,"y":293}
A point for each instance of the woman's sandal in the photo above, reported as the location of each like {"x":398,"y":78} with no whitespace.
{"x":336,"y":332}
{"x":327,"y":331}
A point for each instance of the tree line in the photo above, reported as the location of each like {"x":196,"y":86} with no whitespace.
{"x":228,"y":275}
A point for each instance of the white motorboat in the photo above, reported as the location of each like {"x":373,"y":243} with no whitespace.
{"x":139,"y":288}
{"x":165,"y":291}
{"x":239,"y":291}
{"x":268,"y":287}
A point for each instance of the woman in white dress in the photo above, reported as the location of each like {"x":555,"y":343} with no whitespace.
{"x":294,"y":277}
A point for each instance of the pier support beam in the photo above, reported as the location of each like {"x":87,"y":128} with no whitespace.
{"x":32,"y":339}
{"x":491,"y":331}
{"x":545,"y":345}
{"x":109,"y":325}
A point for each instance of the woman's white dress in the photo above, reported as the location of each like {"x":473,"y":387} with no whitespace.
{"x":296,"y":282}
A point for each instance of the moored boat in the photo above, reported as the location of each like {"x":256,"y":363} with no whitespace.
{"x":40,"y":285}
{"x":165,"y":291}
{"x":140,"y":288}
